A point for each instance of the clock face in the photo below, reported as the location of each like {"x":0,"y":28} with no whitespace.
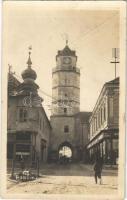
{"x":66,"y":60}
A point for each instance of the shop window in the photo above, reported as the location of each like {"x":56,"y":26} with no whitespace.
{"x":66,"y":129}
{"x":10,"y":147}
{"x":22,"y":148}
{"x":23,"y":115}
{"x":101,"y":115}
{"x":23,"y":136}
{"x":115,"y":144}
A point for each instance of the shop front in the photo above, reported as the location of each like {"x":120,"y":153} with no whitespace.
{"x":105,"y":146}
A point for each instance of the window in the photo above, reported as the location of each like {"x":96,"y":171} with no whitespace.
{"x":111,"y":107}
{"x":43,"y":124}
{"x":104,"y":113}
{"x":66,"y":129}
{"x":101,"y":115}
{"x":22,"y":148}
{"x":98,"y":120}
{"x":10,"y":149}
{"x":65,"y":110}
{"x":40,"y":123}
{"x":96,"y":123}
{"x":23,"y":136}
{"x":23,"y":115}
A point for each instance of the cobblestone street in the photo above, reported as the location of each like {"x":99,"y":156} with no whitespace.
{"x":67,"y":179}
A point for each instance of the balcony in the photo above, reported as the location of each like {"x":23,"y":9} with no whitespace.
{"x":66,"y":68}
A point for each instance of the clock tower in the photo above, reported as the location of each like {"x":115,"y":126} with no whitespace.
{"x":65,"y":83}
{"x":65,"y":100}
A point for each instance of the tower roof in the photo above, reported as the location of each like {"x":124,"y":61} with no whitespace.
{"x":29,"y":73}
{"x":114,"y":81}
{"x":66,"y":52}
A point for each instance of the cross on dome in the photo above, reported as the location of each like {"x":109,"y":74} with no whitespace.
{"x":29,"y":62}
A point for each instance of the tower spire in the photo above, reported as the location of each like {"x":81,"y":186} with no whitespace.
{"x":66,"y":36}
{"x":29,"y":62}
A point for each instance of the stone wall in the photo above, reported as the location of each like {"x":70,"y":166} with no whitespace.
{"x":65,"y":91}
{"x":58,"y":135}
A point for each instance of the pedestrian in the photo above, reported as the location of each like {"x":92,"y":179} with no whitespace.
{"x":98,"y":170}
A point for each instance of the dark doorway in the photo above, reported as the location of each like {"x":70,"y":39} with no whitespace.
{"x":10,"y":149}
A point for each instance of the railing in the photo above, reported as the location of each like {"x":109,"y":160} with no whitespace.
{"x":68,"y":68}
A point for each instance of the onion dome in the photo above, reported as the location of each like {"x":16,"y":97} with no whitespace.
{"x":29,"y":73}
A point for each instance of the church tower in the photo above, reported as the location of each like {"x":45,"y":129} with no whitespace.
{"x":65,"y":99}
{"x":65,"y":83}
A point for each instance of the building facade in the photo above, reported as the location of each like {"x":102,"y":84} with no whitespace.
{"x":104,"y":124}
{"x":82,"y":129}
{"x":29,"y":129}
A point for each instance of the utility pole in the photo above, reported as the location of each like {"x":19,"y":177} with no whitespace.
{"x":115,"y":52}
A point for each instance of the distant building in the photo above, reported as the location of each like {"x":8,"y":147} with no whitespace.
{"x":82,"y":129}
{"x":28,"y":128}
{"x":104,"y":124}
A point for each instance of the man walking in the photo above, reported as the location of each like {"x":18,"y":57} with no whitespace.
{"x":98,"y":170}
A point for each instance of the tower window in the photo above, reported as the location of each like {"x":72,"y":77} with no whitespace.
{"x":65,"y":110}
{"x":66,"y":129}
{"x":23,"y":115}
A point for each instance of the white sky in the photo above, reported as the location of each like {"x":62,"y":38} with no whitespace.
{"x":92,"y":33}
{"x":66,"y":151}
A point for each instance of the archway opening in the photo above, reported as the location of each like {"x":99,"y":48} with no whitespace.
{"x":65,"y":154}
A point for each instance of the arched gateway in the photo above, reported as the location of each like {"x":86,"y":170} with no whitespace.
{"x":65,"y":150}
